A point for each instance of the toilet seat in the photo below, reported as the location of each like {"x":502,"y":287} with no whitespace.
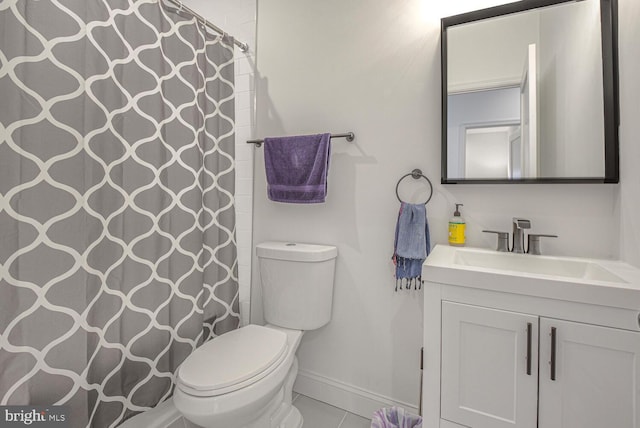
{"x":232,"y":361}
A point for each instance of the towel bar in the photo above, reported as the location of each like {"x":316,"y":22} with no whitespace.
{"x":350,"y":136}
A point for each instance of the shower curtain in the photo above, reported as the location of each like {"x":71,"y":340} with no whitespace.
{"x":117,"y":227}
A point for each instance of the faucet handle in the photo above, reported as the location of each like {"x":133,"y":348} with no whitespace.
{"x":533,"y":242}
{"x":503,"y":240}
{"x":521,"y":223}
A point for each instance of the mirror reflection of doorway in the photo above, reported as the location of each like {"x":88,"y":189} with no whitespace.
{"x":493,"y":152}
{"x":498,"y":125}
{"x":480,"y":109}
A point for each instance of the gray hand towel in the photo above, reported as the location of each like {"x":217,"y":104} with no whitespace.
{"x":412,"y":244}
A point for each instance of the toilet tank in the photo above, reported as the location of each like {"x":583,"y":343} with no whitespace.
{"x":297,"y":283}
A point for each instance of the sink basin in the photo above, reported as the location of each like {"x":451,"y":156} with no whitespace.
{"x":535,"y":265}
{"x":598,"y":282}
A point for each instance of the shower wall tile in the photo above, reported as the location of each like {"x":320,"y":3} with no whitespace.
{"x":238,"y":17}
{"x":245,"y":82}
{"x":245,"y":30}
{"x":244,"y":169}
{"x":243,"y":204}
{"x":244,"y":242}
{"x":243,"y":134}
{"x":244,"y":186}
{"x":244,"y":152}
{"x":243,"y":117}
{"x":244,"y":65}
{"x":244,"y":100}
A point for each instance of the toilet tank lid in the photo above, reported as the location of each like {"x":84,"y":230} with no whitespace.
{"x":296,"y":251}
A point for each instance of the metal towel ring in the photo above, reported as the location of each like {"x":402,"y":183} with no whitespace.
{"x":416,"y":174}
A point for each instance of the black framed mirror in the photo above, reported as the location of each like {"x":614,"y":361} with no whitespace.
{"x":530,"y":93}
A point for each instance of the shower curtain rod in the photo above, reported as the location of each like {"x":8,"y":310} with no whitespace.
{"x":348,"y":135}
{"x":181,"y":7}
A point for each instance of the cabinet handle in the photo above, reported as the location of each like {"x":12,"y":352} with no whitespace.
{"x":529,"y":334}
{"x":553,"y":353}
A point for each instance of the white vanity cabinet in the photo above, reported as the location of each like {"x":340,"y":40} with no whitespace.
{"x":596,"y":378}
{"x":487,"y":380}
{"x":512,"y":350}
{"x":588,"y":375}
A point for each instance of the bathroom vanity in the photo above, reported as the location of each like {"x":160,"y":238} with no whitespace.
{"x":517,"y":340}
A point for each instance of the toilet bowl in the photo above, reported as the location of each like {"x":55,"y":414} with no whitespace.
{"x":244,"y":378}
{"x":251,"y":388}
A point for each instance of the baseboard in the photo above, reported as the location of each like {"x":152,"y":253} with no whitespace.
{"x":348,"y":397}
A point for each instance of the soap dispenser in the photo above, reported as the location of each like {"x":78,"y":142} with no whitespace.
{"x":457,"y":229}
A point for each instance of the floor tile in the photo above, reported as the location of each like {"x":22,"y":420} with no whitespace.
{"x":189,"y":424}
{"x":355,"y":421}
{"x":178,"y":423}
{"x":317,"y":414}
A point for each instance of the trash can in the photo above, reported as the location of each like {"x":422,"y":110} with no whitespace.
{"x":395,"y":417}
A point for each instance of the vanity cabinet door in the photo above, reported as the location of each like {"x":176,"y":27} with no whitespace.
{"x":593,"y":380}
{"x":489,"y":367}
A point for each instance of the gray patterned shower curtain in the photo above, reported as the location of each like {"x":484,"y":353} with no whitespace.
{"x":117,"y":224}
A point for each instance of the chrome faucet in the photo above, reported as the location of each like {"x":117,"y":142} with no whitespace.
{"x":519,"y":226}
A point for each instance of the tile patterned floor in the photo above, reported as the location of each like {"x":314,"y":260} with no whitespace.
{"x":317,"y":414}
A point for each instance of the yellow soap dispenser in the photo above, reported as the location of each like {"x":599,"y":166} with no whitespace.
{"x":457,"y":229}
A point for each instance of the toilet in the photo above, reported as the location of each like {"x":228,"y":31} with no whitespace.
{"x":244,"y":378}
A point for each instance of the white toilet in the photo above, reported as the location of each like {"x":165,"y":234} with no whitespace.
{"x":244,"y":378}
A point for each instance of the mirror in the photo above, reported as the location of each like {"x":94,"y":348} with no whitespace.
{"x":530,"y":93}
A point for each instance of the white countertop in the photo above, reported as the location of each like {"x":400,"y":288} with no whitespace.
{"x":444,"y":266}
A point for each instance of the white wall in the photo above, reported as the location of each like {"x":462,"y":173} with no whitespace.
{"x":480,"y":56}
{"x":629,"y":131}
{"x":373,"y":67}
{"x":238,"y":18}
{"x":366,"y":67}
{"x":571,"y":129}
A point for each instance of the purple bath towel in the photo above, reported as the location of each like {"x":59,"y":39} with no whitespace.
{"x":297,"y":168}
